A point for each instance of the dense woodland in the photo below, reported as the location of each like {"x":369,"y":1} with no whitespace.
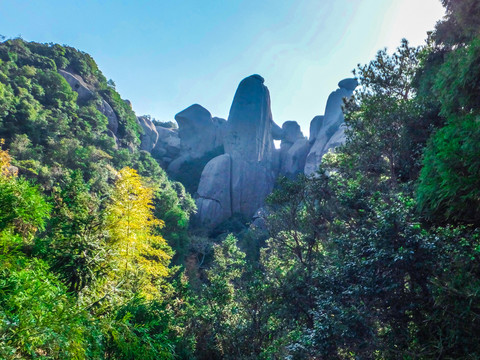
{"x":377,"y":256}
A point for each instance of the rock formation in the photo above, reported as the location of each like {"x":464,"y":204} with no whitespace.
{"x":149,"y":137}
{"x":293,"y":149}
{"x":330,"y":128}
{"x":85,"y":91}
{"x":238,"y":180}
{"x":246,"y":168}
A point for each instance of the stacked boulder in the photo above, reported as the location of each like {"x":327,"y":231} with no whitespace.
{"x":238,"y":180}
{"x":328,"y":131}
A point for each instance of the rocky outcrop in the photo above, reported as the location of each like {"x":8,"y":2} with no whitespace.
{"x":107,"y":110}
{"x":315,"y":126}
{"x":168,"y":146}
{"x":249,"y":126}
{"x":293,"y":159}
{"x":238,"y":180}
{"x":293,"y":149}
{"x":291,"y":132}
{"x":214,"y":201}
{"x":149,"y":137}
{"x":248,"y":144}
{"x":85,"y":91}
{"x":192,"y":122}
{"x":331,"y":131}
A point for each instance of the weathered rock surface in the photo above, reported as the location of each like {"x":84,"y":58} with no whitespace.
{"x":331,"y":133}
{"x":277,"y":132}
{"x":167,"y":146}
{"x":85,"y":91}
{"x":149,"y":137}
{"x":291,"y":132}
{"x":107,"y":110}
{"x":249,"y":125}
{"x":258,"y":219}
{"x":251,"y":183}
{"x":293,"y":159}
{"x":237,"y":181}
{"x":197,"y":130}
{"x":248,"y":144}
{"x":315,"y":126}
{"x":214,"y":203}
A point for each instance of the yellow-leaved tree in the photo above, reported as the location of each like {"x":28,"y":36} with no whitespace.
{"x":142,"y":255}
{"x":5,"y":159}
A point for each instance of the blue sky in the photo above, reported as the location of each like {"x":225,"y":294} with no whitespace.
{"x":165,"y":55}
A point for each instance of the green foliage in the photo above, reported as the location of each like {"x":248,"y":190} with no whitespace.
{"x":461,"y":23}
{"x":387,"y":126}
{"x":22,"y":207}
{"x":59,"y":298}
{"x":39,"y":319}
{"x":448,"y":187}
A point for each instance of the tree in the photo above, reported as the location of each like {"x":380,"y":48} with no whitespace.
{"x":449,"y":184}
{"x":141,"y":253}
{"x":387,"y":125}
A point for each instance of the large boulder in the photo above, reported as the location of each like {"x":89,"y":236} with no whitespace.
{"x":214,"y":202}
{"x":277,"y":132}
{"x":251,"y":183}
{"x":168,"y":144}
{"x":149,"y":137}
{"x":197,"y":130}
{"x":293,"y":159}
{"x":107,"y":110}
{"x":248,"y":144}
{"x":291,"y":132}
{"x":331,"y":126}
{"x":220,"y":131}
{"x":315,"y":126}
{"x":85,"y":91}
{"x":249,"y":125}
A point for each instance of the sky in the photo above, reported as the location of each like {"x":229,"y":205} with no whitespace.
{"x":165,"y":55}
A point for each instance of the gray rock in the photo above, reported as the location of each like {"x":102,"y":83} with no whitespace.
{"x":107,"y":110}
{"x":293,"y":160}
{"x":168,"y":143}
{"x":248,"y":145}
{"x":196,"y":130}
{"x":175,"y":165}
{"x":214,"y":203}
{"x":277,"y":132}
{"x":315,"y":126}
{"x":249,"y":126}
{"x":348,"y":84}
{"x":85,"y":91}
{"x":251,"y":183}
{"x":291,"y":132}
{"x":128,"y":102}
{"x":259,"y":220}
{"x":330,"y":133}
{"x":149,"y":137}
{"x":220,"y":130}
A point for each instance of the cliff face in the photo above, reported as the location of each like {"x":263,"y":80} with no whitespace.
{"x":238,"y":160}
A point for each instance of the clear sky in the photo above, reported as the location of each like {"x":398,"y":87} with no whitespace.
{"x":165,"y":55}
